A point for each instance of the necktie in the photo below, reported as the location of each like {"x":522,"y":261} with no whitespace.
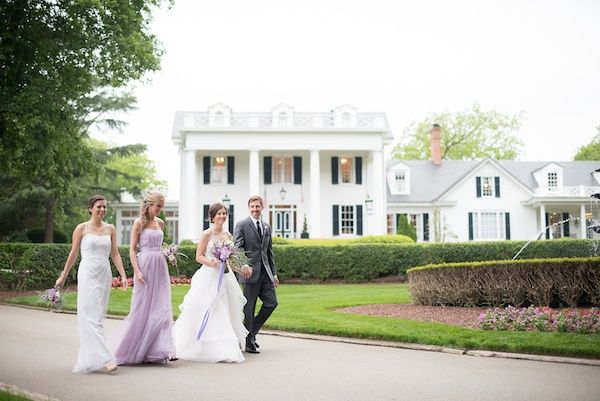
{"x":259,"y":230}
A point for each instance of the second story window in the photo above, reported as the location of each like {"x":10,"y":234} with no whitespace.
{"x":218,"y":172}
{"x":283,"y":170}
{"x":552,"y":181}
{"x":346,"y":170}
{"x":487,"y":186}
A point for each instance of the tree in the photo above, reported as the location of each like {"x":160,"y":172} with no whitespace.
{"x":53,"y":55}
{"x":590,"y":151}
{"x":405,"y":228}
{"x":473,"y":134}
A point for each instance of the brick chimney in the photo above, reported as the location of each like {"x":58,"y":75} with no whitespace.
{"x":435,"y":137}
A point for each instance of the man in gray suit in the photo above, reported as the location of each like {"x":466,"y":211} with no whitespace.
{"x":254,"y":236}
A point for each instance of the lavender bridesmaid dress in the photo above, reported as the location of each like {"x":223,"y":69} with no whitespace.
{"x":145,"y":335}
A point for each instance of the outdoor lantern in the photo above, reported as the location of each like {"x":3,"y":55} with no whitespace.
{"x":226,"y":202}
{"x":282,"y":193}
{"x":369,"y":205}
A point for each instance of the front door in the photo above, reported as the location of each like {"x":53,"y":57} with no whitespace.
{"x":283,"y":221}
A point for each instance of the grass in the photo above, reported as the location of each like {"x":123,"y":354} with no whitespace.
{"x":311,"y":309}
{"x":6,"y":396}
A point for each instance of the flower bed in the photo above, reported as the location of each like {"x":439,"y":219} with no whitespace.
{"x":583,"y":321}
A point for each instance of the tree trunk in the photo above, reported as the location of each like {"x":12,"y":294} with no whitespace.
{"x":49,"y":233}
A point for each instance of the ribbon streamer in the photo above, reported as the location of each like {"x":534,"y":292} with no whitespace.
{"x":212,"y":304}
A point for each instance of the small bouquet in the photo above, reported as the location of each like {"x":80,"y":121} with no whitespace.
{"x":171,"y":252}
{"x":53,"y":298}
{"x":227,"y":252}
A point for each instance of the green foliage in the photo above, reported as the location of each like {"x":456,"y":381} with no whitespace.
{"x":472,"y":134}
{"x":55,"y":56}
{"x":280,"y":241}
{"x":37,"y":235}
{"x":404,"y":228}
{"x":541,"y":282}
{"x":590,"y":151}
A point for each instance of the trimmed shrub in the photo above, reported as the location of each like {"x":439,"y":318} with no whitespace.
{"x":542,"y":282}
{"x":404,"y":228}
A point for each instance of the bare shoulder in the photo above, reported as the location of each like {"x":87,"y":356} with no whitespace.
{"x":160,"y":222}
{"x":80,"y":228}
{"x":206,"y":234}
{"x":111,"y":228}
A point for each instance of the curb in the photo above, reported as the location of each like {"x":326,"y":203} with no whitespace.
{"x":434,"y":348}
{"x":389,"y":344}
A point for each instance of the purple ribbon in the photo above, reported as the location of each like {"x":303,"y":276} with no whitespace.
{"x":212,"y":304}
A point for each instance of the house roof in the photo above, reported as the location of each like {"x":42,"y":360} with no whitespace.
{"x":430,"y":181}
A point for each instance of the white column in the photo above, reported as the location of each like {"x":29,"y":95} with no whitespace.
{"x":314,"y":214}
{"x":189,"y":223}
{"x":542,"y":221}
{"x":378,"y":217}
{"x":253,"y":177}
{"x":582,"y":222}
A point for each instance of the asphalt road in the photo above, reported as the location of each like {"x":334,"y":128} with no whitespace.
{"x":38,"y":350}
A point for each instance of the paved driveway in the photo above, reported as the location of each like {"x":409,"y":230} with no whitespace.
{"x":38,"y":350}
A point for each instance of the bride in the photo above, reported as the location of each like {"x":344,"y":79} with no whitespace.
{"x":210,"y":327}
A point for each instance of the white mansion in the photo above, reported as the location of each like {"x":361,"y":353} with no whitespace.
{"x":328,"y":169}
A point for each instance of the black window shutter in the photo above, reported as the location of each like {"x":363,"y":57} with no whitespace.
{"x":231,"y":217}
{"x":478,"y":186}
{"x":358,"y":168}
{"x":230,"y":169}
{"x":359,"y":220}
{"x":205,"y":219}
{"x":425,"y":226}
{"x":297,"y":170}
{"x":336,"y":220}
{"x":507,"y":224}
{"x":206,"y":164}
{"x":497,"y":185}
{"x":471,"y":225}
{"x":334,"y":169}
{"x":565,"y":225}
{"x":547,"y":224}
{"x":268,"y":167}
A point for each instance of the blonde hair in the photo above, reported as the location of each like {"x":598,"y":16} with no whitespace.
{"x":151,"y":198}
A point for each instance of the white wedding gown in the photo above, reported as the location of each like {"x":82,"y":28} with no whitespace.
{"x":93,"y":287}
{"x":224,"y":335}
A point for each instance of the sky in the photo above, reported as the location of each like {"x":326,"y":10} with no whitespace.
{"x":405,"y":58}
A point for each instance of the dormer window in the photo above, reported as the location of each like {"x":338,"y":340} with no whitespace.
{"x":400,"y":181}
{"x":346,"y":120}
{"x":219,"y":119}
{"x":552,"y":181}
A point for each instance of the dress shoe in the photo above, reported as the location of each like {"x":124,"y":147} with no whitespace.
{"x":256,"y":344}
{"x":251,"y":348}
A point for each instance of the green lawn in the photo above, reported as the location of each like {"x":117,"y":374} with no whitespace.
{"x":6,"y":396}
{"x":311,"y":309}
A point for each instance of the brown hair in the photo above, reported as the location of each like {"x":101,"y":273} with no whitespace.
{"x":214,"y":209}
{"x":92,"y":201}
{"x":256,"y":198}
{"x":151,"y":198}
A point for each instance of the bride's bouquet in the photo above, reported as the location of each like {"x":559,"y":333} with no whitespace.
{"x":233,"y":256}
{"x":53,"y":298}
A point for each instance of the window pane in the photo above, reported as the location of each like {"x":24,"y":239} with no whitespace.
{"x":346,"y":169}
{"x":218,"y":171}
{"x":552,"y":181}
{"x":489,"y":229}
{"x":277,"y":169}
{"x":347,"y":220}
{"x":486,"y":186}
{"x":287,"y":170}
{"x":400,"y":181}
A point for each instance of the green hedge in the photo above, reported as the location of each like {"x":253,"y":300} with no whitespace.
{"x":542,"y":282}
{"x":26,"y":266}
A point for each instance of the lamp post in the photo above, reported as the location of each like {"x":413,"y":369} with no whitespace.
{"x":282,"y":193}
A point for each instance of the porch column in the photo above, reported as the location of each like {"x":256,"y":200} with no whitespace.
{"x":582,"y":222}
{"x":188,"y":218}
{"x":542,"y":221}
{"x":314,"y":214}
{"x":378,"y":218}
{"x":253,"y":169}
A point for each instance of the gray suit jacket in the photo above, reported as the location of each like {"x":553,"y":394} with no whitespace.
{"x":260,"y":253}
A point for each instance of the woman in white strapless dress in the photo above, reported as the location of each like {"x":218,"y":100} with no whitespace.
{"x":97,"y":241}
{"x":223,"y":336}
